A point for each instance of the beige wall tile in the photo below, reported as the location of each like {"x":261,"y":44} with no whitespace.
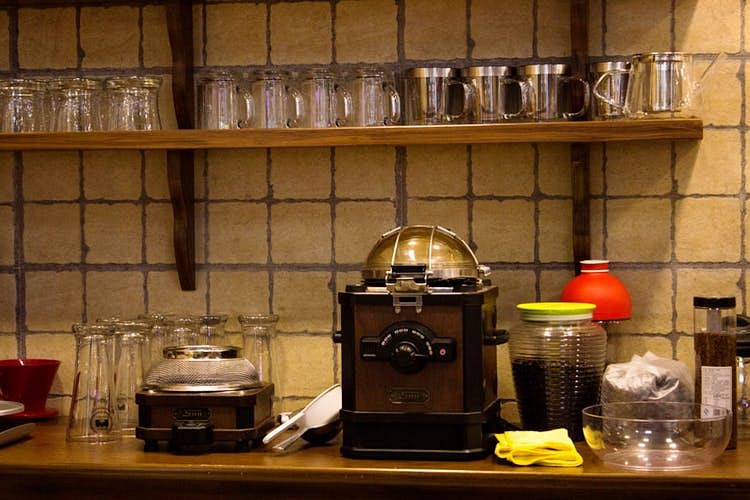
{"x":116,"y":293}
{"x":301,"y":173}
{"x":52,"y":233}
{"x":555,"y":231}
{"x":303,"y":301}
{"x":7,"y":189}
{"x":596,"y":228}
{"x":165,"y":295}
{"x":496,"y":223}
{"x":156,"y":48}
{"x":113,"y":175}
{"x":293,"y":223}
{"x":628,"y":34}
{"x":113,"y":232}
{"x":237,"y":232}
{"x":707,"y":26}
{"x":621,"y":348}
{"x":554,"y":169}
{"x":710,"y":166}
{"x":722,"y":91}
{"x":7,"y":236}
{"x":638,"y":230}
{"x":239,"y":174}
{"x":54,"y":300}
{"x":358,"y":227}
{"x":159,"y":233}
{"x":236,"y":34}
{"x":514,"y":287}
{"x":425,"y":18}
{"x":4,"y":41}
{"x":639,"y":168}
{"x":295,"y":42}
{"x":651,"y":295}
{"x":239,"y":292}
{"x":7,"y":305}
{"x":502,"y":169}
{"x":505,"y":387}
{"x":109,"y":36}
{"x":505,"y":30}
{"x":8,"y":346}
{"x":366,"y":31}
{"x":155,"y":174}
{"x":551,"y":284}
{"x":453,"y":214}
{"x":365,"y":172}
{"x":436,"y":171}
{"x":702,"y":282}
{"x":707,"y":230}
{"x":596,"y":168}
{"x":51,"y":47}
{"x":298,"y":374}
{"x":553,"y":34}
{"x":51,"y":175}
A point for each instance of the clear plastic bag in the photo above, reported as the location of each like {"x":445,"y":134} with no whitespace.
{"x":647,"y":378}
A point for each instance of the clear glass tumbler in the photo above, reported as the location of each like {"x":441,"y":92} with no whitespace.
{"x":257,"y":333}
{"x":93,"y":417}
{"x":133,"y":103}
{"x":131,"y":351}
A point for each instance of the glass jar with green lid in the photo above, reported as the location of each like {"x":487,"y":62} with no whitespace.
{"x":557,"y":356}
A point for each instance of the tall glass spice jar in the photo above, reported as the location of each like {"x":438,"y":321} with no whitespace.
{"x":557,"y":357}
{"x":715,"y":341}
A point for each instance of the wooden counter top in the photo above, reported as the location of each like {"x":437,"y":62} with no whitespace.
{"x":44,"y":465}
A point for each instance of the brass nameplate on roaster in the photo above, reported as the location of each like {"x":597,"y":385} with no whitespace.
{"x":404,"y":395}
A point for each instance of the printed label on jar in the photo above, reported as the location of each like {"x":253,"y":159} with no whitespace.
{"x":716,"y":387}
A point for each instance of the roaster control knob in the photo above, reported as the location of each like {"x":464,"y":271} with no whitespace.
{"x":406,"y":358}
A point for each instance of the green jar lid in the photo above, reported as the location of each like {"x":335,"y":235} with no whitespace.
{"x":550,"y":311}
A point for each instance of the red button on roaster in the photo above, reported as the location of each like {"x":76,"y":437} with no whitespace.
{"x":442,"y":352}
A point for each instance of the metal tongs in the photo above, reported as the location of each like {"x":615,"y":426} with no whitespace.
{"x":320,"y":416}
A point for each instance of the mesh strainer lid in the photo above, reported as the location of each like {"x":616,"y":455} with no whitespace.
{"x":202,"y":368}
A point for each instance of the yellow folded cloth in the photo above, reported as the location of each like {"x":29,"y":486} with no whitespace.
{"x":552,"y":447}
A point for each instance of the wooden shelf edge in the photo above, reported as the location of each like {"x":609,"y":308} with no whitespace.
{"x":585,"y":131}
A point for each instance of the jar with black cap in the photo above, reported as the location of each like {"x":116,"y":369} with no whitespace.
{"x":715,"y":341}
{"x":743,"y":377}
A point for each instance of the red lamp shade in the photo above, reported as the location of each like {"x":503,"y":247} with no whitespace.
{"x":597,"y":286}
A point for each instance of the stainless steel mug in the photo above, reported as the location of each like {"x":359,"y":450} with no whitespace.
{"x":660,"y":84}
{"x":435,"y":96}
{"x":499,"y":95}
{"x":277,"y":103}
{"x":614,"y":87}
{"x":375,"y":101}
{"x":221,"y":104}
{"x":326,"y":102}
{"x":551,"y":92}
{"x":133,"y":103}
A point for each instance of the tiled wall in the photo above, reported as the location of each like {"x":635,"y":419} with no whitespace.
{"x":86,"y":235}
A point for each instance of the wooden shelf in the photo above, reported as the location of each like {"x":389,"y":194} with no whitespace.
{"x":566,"y":132}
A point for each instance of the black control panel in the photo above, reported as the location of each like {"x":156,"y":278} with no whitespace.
{"x":408,"y":346}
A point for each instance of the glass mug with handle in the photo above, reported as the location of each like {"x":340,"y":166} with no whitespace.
{"x":375,"y":101}
{"x":221,"y":103}
{"x":499,"y":96}
{"x":552,"y":94}
{"x":327,"y":103}
{"x":436,"y":95}
{"x":277,"y":103}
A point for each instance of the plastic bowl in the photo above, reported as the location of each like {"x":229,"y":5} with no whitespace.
{"x":657,"y":436}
